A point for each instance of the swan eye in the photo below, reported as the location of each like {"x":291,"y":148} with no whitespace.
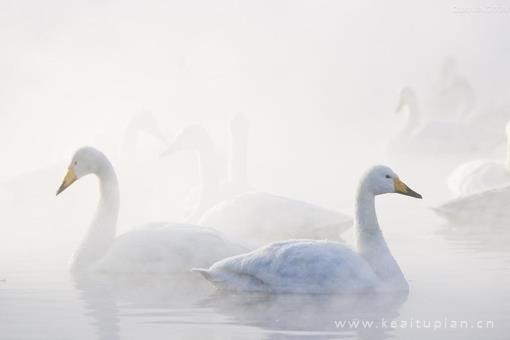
{"x":75,"y":162}
{"x":387,"y":176}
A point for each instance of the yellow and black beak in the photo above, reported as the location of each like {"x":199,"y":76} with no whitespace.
{"x":69,"y":179}
{"x":402,"y":188}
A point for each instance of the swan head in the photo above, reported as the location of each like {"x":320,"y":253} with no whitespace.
{"x":192,"y":137}
{"x":407,"y":96}
{"x":381,"y":179}
{"x":86,"y":160}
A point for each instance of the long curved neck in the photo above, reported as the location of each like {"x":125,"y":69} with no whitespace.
{"x":371,"y":243}
{"x":102,"y":231}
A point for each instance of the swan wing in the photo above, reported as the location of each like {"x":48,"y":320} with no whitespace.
{"x":476,"y":176}
{"x":267,"y":217}
{"x":295,"y":266}
{"x":167,"y":248}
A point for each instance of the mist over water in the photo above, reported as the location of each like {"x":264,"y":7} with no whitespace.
{"x":318,"y":83}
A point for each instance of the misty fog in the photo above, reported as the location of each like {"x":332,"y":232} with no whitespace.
{"x":312,"y":89}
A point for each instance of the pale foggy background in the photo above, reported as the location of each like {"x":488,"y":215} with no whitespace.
{"x":318,"y":81}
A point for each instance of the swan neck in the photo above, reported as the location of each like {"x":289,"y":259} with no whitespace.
{"x":102,"y":231}
{"x":371,"y":243}
{"x":365,"y":214}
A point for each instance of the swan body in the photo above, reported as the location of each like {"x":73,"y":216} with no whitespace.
{"x":165,"y":248}
{"x":438,"y":137}
{"x":159,"y":247}
{"x":323,"y":267}
{"x":267,"y":217}
{"x":480,"y":175}
{"x":485,"y":208}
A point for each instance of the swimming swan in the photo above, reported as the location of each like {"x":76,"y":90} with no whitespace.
{"x":264,"y":217}
{"x":480,"y":175}
{"x":156,"y":247}
{"x":323,"y":267}
{"x":485,"y":209}
{"x":212,"y":189}
{"x":437,"y":137}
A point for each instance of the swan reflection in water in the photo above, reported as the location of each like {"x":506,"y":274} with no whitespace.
{"x":109,"y":299}
{"x":320,"y":315}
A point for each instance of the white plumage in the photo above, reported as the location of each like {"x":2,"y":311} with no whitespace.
{"x":480,"y":175}
{"x":156,"y":247}
{"x":438,"y":137}
{"x":323,"y":267}
{"x":263,"y":217}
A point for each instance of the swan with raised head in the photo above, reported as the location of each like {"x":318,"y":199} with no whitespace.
{"x":195,"y":138}
{"x":454,"y":98}
{"x":156,"y":247}
{"x":258,"y":216}
{"x":212,"y":188}
{"x":437,"y":137}
{"x":480,"y":175}
{"x":323,"y":267}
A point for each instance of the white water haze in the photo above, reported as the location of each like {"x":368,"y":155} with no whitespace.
{"x":317,"y":83}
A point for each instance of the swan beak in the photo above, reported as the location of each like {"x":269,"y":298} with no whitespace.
{"x":69,"y":179}
{"x":402,"y":188}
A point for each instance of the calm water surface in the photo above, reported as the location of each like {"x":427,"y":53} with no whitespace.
{"x":459,"y":285}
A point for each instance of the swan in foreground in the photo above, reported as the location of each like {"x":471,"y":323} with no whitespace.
{"x":323,"y":267}
{"x":156,"y":247}
{"x":438,"y":137}
{"x":480,"y":175}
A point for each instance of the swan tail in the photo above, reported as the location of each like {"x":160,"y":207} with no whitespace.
{"x":204,"y":272}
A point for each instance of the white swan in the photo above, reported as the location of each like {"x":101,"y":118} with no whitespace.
{"x":212,"y":188}
{"x":481,"y":209}
{"x":158,"y":247}
{"x":437,"y":137}
{"x":322,"y":267}
{"x":196,"y":138}
{"x":257,"y":216}
{"x":480,"y":175}
{"x":454,"y":98}
{"x":263,"y":217}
